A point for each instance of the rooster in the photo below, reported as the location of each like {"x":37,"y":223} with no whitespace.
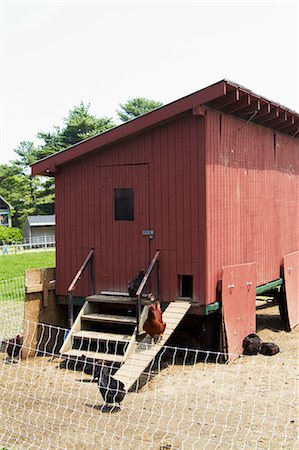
{"x":134,"y":285}
{"x":112,"y":390}
{"x":14,"y":346}
{"x":154,"y":324}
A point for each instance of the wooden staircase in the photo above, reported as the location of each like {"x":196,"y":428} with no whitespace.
{"x":106,"y":329}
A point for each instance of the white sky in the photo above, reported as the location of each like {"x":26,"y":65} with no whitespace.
{"x":55,"y":54}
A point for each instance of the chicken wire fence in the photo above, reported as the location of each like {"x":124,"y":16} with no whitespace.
{"x":185,"y":399}
{"x":12,"y":295}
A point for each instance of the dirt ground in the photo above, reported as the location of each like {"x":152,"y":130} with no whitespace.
{"x":188,"y":402}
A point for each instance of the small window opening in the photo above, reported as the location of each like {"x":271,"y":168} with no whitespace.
{"x":186,"y":286}
{"x":124,"y":204}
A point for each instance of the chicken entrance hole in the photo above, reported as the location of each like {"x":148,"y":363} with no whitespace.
{"x":186,"y":286}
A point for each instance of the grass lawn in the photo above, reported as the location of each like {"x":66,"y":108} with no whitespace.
{"x":15,"y":265}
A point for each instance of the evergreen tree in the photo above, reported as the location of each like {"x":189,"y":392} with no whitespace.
{"x":35,"y":195}
{"x":136,"y":107}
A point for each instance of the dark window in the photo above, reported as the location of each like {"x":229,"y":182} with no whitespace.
{"x":186,"y":286}
{"x":124,"y":204}
{"x":4,"y":219}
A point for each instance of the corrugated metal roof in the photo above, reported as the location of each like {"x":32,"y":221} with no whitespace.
{"x":224,"y":96}
{"x":38,"y":221}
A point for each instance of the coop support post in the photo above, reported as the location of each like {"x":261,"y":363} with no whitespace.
{"x":39,"y":306}
{"x":70,"y":308}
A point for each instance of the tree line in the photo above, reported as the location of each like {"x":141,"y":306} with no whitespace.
{"x":35,"y":195}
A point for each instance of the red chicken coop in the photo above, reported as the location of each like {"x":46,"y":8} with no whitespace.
{"x":201,"y":194}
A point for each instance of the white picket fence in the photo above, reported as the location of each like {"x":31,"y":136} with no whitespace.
{"x":34,"y":244}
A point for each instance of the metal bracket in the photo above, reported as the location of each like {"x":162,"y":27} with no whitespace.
{"x":230,"y":287}
{"x":249,"y":284}
{"x":148,"y":233}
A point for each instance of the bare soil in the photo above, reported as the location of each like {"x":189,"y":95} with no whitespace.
{"x":185,"y":402}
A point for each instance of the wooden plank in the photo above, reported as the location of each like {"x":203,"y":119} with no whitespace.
{"x":144,"y":352}
{"x":45,"y":287}
{"x":102,"y":336}
{"x":32,"y":289}
{"x":291,"y":276}
{"x":36,"y":280}
{"x":180,"y":304}
{"x":76,"y":327}
{"x":110,"y":299}
{"x":136,"y":359}
{"x":172,"y":317}
{"x":132,"y":344}
{"x":94,"y":355}
{"x":109,"y":318}
{"x":238,"y":305}
{"x":137,"y":364}
{"x":112,"y":294}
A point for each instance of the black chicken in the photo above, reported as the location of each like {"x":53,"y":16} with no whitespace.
{"x":251,"y":344}
{"x":14,"y":346}
{"x":269,"y":349}
{"x":112,"y":390}
{"x":134,"y":285}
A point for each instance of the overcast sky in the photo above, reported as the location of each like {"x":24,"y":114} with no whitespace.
{"x":55,"y":54}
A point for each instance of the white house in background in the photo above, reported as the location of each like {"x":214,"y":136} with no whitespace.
{"x":38,"y":228}
{"x":5,"y":213}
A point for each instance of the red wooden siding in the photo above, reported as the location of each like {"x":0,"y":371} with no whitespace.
{"x":120,"y":247}
{"x":174,"y":155}
{"x":252,"y":196}
{"x":220,"y":192}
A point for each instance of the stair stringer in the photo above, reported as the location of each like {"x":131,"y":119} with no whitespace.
{"x":131,"y":346}
{"x":67,"y":344}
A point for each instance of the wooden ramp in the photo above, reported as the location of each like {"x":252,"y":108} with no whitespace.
{"x":144,"y":352}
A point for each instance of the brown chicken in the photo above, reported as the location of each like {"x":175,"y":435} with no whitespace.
{"x":154,"y":324}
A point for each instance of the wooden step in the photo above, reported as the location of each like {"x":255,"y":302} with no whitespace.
{"x":94,"y":355}
{"x":102,"y":336}
{"x":117,"y":298}
{"x":146,"y":350}
{"x":109,"y":318}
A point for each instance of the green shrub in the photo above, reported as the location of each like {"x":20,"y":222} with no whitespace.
{"x":10,"y":235}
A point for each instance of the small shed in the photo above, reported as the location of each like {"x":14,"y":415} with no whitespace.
{"x":38,"y":228}
{"x":211,"y":180}
{"x":5,"y":213}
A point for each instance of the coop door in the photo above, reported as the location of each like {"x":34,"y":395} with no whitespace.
{"x":238,"y":306}
{"x":124,"y":215}
{"x":291,"y":276}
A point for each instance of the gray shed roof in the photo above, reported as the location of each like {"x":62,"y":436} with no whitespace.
{"x":5,"y":201}
{"x":40,"y":221}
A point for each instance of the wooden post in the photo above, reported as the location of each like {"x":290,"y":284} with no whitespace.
{"x":40,"y":306}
